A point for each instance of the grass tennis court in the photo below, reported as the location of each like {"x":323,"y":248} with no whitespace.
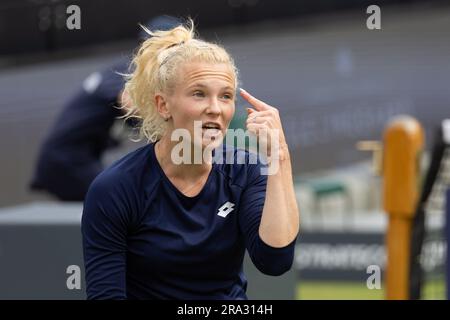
{"x":326,"y":290}
{"x":345,"y":290}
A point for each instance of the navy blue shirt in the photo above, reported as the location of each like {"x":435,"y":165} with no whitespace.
{"x":144,"y":239}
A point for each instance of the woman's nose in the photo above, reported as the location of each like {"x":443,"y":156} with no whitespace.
{"x":214,"y":106}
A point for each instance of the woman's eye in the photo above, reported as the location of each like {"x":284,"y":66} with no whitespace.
{"x":228,"y":96}
{"x":198,"y":94}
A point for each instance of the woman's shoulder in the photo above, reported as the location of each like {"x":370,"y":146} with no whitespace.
{"x":124,"y":173}
{"x":132,"y":160}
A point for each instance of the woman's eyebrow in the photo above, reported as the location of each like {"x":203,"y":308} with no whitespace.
{"x":198,"y":85}
{"x":202,"y":85}
{"x":229,"y":88}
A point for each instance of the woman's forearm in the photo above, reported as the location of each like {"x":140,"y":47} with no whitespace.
{"x":280,"y":219}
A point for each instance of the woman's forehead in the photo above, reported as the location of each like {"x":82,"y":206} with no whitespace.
{"x":201,"y":72}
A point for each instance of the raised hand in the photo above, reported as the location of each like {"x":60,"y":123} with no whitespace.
{"x":264,"y":121}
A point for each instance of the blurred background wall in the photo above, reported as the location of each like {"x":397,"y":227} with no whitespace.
{"x":43,"y":22}
{"x":334,"y":81}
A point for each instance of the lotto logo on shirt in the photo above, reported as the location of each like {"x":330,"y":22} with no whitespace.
{"x":225,"y":209}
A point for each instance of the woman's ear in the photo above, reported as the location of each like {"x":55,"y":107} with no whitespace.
{"x":161,"y":106}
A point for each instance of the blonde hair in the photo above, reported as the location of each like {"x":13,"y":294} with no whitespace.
{"x":155,"y":67}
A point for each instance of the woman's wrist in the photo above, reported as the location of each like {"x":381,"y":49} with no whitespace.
{"x":279,"y":159}
{"x":284,"y":152}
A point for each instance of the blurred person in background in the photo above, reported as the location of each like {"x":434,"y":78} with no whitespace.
{"x":71,"y":154}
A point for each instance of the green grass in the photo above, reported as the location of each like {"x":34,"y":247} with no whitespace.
{"x":347,"y":290}
{"x":434,"y":289}
{"x":318,"y":290}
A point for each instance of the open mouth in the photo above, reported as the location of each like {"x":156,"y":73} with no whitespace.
{"x":211,"y":130}
{"x":211,"y":125}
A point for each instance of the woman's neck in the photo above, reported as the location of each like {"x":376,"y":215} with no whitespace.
{"x":190,"y":170}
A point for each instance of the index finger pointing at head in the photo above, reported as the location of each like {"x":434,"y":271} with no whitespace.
{"x":258,"y":104}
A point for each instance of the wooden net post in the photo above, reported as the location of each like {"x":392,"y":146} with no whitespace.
{"x":403,"y":144}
